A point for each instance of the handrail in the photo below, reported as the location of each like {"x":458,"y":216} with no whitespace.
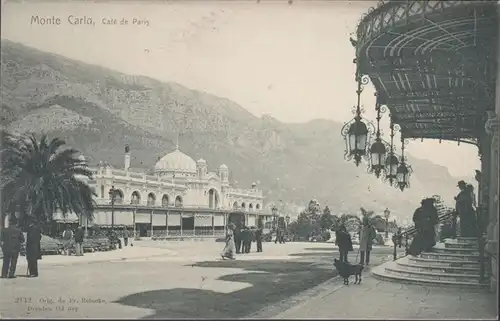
{"x":397,"y":238}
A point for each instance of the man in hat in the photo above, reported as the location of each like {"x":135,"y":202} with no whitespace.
{"x":33,"y":249}
{"x":12,"y":238}
{"x":465,"y":210}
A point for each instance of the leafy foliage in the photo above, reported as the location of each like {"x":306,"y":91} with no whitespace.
{"x":38,"y":179}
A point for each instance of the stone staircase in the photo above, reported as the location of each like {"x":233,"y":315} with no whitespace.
{"x":452,"y":263}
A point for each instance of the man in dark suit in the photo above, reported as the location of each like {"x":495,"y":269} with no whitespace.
{"x":258,"y":235}
{"x":33,"y":249}
{"x":246,"y":239}
{"x":79,"y":234}
{"x":12,"y":238}
{"x":237,"y":239}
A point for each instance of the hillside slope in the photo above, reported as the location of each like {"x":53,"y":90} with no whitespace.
{"x":99,"y":111}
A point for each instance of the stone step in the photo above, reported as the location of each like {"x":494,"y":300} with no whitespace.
{"x":462,"y":241}
{"x":474,"y":251}
{"x":453,"y":245}
{"x":450,"y":256}
{"x":380,"y":273}
{"x":434,"y":276}
{"x":444,"y":263}
{"x":431,"y":267}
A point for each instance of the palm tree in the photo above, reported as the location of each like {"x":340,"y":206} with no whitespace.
{"x":38,"y":179}
{"x":376,"y":220}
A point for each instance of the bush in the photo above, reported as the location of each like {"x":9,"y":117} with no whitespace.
{"x":326,"y":235}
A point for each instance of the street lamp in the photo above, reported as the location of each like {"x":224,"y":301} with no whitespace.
{"x":113,"y":192}
{"x":133,"y":202}
{"x":274,"y":210}
{"x":387,"y":213}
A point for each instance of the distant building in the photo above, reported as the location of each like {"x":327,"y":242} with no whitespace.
{"x":179,"y":196}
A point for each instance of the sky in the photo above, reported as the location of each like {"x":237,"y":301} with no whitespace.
{"x":291,"y":62}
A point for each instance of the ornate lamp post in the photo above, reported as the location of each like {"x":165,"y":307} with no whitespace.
{"x":274,"y":211}
{"x":287,"y":219}
{"x":387,"y":213}
{"x":113,"y":192}
{"x":357,"y":132}
{"x":377,"y":150}
{"x":391,"y":162}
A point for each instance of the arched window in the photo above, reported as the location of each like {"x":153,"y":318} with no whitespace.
{"x":243,"y":206}
{"x":151,"y":199}
{"x":213,"y":198}
{"x":178,"y":201}
{"x":250,"y":207}
{"x":235,"y":205}
{"x":164,"y":201}
{"x":102,"y":191}
{"x":136,"y":198}
{"x":257,"y":207}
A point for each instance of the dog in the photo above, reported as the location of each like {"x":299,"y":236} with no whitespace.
{"x":346,"y":269}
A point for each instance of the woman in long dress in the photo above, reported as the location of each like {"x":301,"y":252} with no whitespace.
{"x":230,"y":247}
{"x":425,"y":219}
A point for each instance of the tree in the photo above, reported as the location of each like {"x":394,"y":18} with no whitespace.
{"x":38,"y":179}
{"x":326,"y":220}
{"x":351,"y":222}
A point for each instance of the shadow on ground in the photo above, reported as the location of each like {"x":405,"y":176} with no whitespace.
{"x":272,"y":282}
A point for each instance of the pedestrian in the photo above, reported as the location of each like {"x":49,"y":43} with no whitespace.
{"x":282,"y":236}
{"x":125,"y":236}
{"x":12,"y":238}
{"x":278,"y":236}
{"x":33,"y":249}
{"x":367,"y":235}
{"x":229,"y":248}
{"x":67,"y":240}
{"x":245,"y":238}
{"x":258,"y":235}
{"x":344,"y":242}
{"x":79,"y":234}
{"x":237,"y":239}
{"x":465,"y":208}
{"x":425,"y":219}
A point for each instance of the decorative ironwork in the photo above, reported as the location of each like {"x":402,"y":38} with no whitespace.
{"x":357,"y":132}
{"x":392,"y":161}
{"x":378,"y":150}
{"x":404,"y":170}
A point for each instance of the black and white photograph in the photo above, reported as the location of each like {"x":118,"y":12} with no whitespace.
{"x":249,"y":159}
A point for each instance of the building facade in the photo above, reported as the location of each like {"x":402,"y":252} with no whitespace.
{"x":178,"y":196}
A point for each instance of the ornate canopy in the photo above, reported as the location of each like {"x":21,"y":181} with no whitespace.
{"x":433,"y":63}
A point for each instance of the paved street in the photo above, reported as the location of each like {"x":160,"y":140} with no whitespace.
{"x":172,"y":280}
{"x":375,"y":299}
{"x":188,"y":280}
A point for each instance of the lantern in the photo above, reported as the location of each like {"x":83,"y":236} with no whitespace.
{"x":402,"y":176}
{"x":391,"y":166}
{"x":358,"y":138}
{"x":377,"y":156}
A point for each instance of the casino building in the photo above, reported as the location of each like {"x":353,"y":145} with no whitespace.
{"x":178,"y":197}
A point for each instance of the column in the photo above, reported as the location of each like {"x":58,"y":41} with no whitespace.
{"x":181,"y":220}
{"x":194,"y":223}
{"x":213,"y":223}
{"x":494,"y":188}
{"x":151,"y":222}
{"x":166,"y":221}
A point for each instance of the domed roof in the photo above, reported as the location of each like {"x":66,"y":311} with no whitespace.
{"x":201,"y":161}
{"x":223,"y":166}
{"x":176,"y":161}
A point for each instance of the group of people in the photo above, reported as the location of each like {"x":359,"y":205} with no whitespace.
{"x":11,"y":242}
{"x":427,"y":221}
{"x":366,"y":236}
{"x":239,"y":240}
{"x":72,"y":240}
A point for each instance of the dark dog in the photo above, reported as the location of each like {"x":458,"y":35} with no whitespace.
{"x":346,"y":270}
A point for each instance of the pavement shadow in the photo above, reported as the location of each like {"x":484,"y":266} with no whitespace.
{"x":272,"y":281}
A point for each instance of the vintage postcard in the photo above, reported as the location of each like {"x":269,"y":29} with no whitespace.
{"x":282,"y":159}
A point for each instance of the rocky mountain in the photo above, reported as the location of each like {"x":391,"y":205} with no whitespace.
{"x":98,"y":111}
